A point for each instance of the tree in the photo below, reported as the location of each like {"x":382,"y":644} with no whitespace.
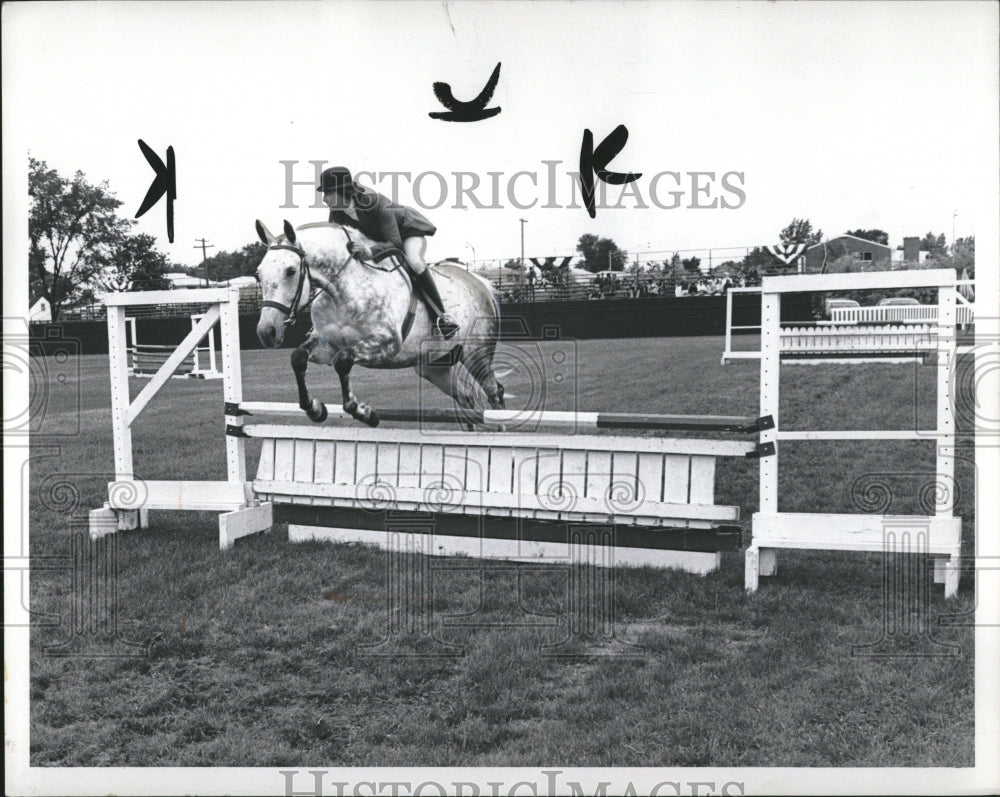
{"x":228,"y":265}
{"x":961,"y":258}
{"x":673,"y":269}
{"x":131,"y":263}
{"x":877,"y":236}
{"x":963,"y":255}
{"x":600,"y":254}
{"x":758,"y":262}
{"x":935,"y":246}
{"x":68,"y":224}
{"x":691,"y":265}
{"x":800,"y":231}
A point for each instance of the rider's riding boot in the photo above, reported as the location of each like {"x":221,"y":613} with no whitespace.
{"x":444,"y":323}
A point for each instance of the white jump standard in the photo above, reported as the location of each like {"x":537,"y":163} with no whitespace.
{"x":938,"y":535}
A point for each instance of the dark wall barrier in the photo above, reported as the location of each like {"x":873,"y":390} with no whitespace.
{"x":605,"y":318}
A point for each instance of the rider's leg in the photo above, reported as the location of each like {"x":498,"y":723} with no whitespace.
{"x":414,"y":249}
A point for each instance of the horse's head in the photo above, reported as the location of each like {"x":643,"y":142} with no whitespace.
{"x":284,"y":282}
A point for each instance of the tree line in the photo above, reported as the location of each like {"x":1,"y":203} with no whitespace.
{"x":79,"y":245}
{"x":603,"y":254}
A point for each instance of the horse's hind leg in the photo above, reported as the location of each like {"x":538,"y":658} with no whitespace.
{"x":448,"y":379}
{"x":314,"y":408}
{"x":479,"y":362}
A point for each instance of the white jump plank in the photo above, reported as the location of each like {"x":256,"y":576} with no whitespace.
{"x":522,"y":505}
{"x":836,"y":532}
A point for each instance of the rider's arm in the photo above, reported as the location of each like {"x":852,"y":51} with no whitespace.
{"x":389,"y":237}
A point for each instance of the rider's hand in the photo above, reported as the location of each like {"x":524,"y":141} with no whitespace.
{"x":359,"y":250}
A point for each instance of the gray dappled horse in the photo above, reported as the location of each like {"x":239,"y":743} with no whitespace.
{"x":367,"y":314}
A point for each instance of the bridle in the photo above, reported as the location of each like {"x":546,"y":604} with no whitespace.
{"x":292,"y":310}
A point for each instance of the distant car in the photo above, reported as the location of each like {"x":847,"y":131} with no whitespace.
{"x":836,"y":304}
{"x":898,"y":301}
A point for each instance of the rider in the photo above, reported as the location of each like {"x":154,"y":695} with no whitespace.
{"x":397,"y":226}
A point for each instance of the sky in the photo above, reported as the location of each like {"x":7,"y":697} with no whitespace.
{"x":871,"y":115}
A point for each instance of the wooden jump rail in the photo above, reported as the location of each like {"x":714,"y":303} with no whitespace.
{"x":495,"y":494}
{"x":522,"y":419}
{"x":146,"y":359}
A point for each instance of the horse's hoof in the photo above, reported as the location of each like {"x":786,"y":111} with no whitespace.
{"x":368,"y":416}
{"x":317,"y":412}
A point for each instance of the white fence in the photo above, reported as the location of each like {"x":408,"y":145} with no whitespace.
{"x":849,"y":342}
{"x":903,"y":314}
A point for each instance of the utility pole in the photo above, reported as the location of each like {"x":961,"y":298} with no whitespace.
{"x":523,"y":222}
{"x":204,"y":245}
{"x":473,"y":254}
{"x":953,"y":217}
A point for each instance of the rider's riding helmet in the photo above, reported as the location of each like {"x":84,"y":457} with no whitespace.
{"x":335,"y":179}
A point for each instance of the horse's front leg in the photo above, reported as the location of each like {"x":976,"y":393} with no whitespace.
{"x":373,"y":351}
{"x":314,"y":408}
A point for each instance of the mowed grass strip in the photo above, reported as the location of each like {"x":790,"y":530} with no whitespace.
{"x":292,"y":655}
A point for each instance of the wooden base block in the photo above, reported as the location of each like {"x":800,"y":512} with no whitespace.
{"x":695,"y":550}
{"x":243,"y":522}
{"x":521,"y":550}
{"x":106,"y":520}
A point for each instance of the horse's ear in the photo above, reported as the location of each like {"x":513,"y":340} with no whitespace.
{"x":264,"y":234}
{"x":289,"y":232}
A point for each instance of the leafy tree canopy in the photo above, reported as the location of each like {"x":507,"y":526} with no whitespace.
{"x":70,"y":225}
{"x":226,"y":265}
{"x":877,"y":236}
{"x":935,"y":245}
{"x":600,"y":254}
{"x":962,"y":257}
{"x":78,"y":242}
{"x":132,"y":263}
{"x":800,"y":231}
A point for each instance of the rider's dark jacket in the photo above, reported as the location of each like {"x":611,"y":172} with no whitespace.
{"x":383,"y":220}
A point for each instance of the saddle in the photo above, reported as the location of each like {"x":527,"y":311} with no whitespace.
{"x":399,"y":261}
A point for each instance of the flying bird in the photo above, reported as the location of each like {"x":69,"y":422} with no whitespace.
{"x":471,"y":111}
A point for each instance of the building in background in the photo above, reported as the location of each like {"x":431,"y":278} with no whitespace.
{"x":868,"y":252}
{"x":40,"y":311}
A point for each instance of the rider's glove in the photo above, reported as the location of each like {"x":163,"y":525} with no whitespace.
{"x":359,"y":250}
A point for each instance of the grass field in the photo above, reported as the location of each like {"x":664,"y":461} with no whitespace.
{"x":258,"y":657}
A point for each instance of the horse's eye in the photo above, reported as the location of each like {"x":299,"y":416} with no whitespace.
{"x":289,"y":272}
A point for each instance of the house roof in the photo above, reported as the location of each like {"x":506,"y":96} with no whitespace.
{"x":845,"y":235}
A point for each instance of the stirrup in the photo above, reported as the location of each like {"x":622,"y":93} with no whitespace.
{"x":446,"y":326}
